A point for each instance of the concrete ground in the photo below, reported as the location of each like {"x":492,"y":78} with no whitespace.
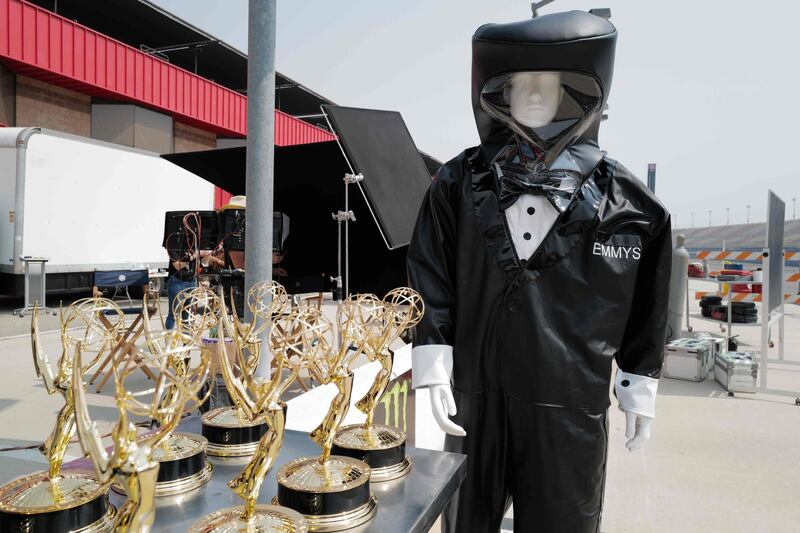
{"x":714,"y":463}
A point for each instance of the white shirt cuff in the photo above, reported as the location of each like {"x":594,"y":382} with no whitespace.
{"x":636,"y":394}
{"x":431,"y":364}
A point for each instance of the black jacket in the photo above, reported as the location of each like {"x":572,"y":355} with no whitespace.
{"x":545,"y":331}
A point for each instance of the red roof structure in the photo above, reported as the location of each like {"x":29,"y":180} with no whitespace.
{"x":41,"y":44}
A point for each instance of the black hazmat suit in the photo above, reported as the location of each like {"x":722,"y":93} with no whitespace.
{"x":533,"y":339}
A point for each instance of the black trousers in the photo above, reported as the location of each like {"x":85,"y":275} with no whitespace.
{"x":550,"y":461}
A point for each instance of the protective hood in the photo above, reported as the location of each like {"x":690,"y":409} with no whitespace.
{"x":543,"y":82}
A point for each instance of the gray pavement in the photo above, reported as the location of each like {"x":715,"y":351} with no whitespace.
{"x":713,"y":463}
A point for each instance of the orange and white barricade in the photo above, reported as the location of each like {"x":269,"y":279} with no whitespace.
{"x":710,"y":255}
{"x":747,"y":297}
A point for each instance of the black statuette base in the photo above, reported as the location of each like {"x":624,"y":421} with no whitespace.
{"x":97,"y":512}
{"x":226,"y":436}
{"x":169,"y":471}
{"x":382,"y":447}
{"x":374,"y":458}
{"x":324,"y":503}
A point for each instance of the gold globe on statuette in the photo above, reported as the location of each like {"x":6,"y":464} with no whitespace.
{"x":382,"y":447}
{"x":130,"y":464}
{"x":296,"y":338}
{"x":60,"y":500}
{"x":331,"y":491}
{"x":230,"y":432}
{"x":196,"y":310}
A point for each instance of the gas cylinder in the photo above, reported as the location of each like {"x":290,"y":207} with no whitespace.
{"x":677,"y":287}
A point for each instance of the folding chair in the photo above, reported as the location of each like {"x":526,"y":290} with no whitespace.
{"x":313,"y":302}
{"x":120,"y":280}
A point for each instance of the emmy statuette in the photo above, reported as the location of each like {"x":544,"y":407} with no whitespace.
{"x":295,"y":339}
{"x":333,"y":491}
{"x":229,"y":431}
{"x":63,"y":500}
{"x":131,"y":464}
{"x":382,"y":447}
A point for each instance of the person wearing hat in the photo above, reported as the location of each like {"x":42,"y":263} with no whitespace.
{"x":182,"y":274}
{"x":237,"y":257}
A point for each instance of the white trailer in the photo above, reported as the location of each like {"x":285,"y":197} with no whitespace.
{"x":85,"y":205}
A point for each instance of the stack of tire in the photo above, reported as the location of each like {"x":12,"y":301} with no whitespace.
{"x":741,"y":312}
{"x":709,"y":304}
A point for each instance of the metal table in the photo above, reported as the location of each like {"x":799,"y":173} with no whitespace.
{"x":409,"y":504}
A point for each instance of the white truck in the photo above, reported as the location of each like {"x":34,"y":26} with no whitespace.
{"x":85,"y":205}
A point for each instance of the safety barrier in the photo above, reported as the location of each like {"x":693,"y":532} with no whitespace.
{"x":711,"y":255}
{"x":751,"y":256}
{"x":747,"y":297}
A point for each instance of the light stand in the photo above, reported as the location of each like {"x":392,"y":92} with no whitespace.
{"x":536,"y":5}
{"x":344,"y":216}
{"x":339,"y":217}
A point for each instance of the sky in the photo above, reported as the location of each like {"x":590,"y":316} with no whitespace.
{"x":706,"y":90}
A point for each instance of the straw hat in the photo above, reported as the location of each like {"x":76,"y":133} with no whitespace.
{"x":236,"y":202}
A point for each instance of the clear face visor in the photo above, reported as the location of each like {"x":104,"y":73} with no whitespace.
{"x":550,"y":109}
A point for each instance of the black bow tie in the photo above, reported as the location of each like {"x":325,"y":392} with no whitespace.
{"x":557,"y":185}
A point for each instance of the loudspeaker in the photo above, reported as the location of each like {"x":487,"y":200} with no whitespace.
{"x":232,"y":229}
{"x":178,"y":240}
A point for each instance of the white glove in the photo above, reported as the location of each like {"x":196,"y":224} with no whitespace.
{"x":637,"y":398}
{"x":443,"y":406}
{"x":637,"y":430}
{"x":432,"y":366}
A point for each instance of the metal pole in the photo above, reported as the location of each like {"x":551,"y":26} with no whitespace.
{"x":346,"y":239}
{"x":260,"y":151}
{"x":19,"y":196}
{"x":339,"y":259}
{"x":748,"y":213}
{"x":794,"y":204}
{"x":688,"y":326}
{"x":709,"y":217}
{"x":763,"y":368}
{"x":349,"y":216}
{"x":339,"y":217}
{"x":727,"y":216}
{"x":781,"y":277}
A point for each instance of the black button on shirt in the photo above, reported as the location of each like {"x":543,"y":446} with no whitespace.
{"x":526,"y":236}
{"x":531,"y":210}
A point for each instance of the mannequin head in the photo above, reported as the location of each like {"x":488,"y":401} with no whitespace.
{"x":548,"y":109}
{"x":534,"y":97}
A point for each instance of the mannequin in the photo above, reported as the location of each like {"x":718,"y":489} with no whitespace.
{"x":534,"y":98}
{"x":540,"y":261}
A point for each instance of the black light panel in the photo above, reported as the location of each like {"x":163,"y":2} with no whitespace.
{"x":379,"y":146}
